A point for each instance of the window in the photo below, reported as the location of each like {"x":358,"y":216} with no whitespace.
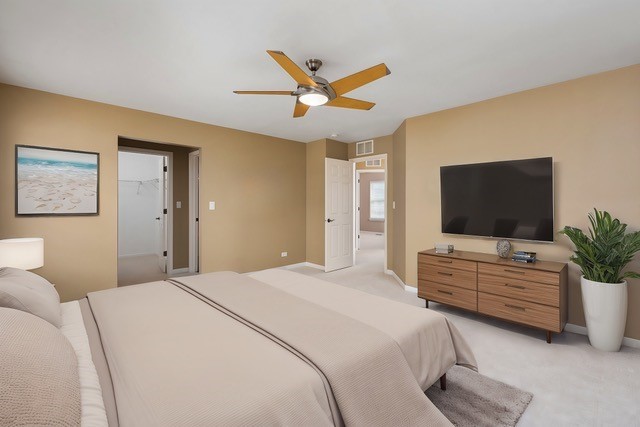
{"x":364,"y":147}
{"x":376,"y":201}
{"x":373,"y":163}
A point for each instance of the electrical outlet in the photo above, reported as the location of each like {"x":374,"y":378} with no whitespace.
{"x":178,"y":204}
{"x":284,"y":254}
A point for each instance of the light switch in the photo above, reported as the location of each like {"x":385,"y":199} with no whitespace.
{"x":212,"y":206}
{"x":178,"y":204}
{"x":394,"y":204}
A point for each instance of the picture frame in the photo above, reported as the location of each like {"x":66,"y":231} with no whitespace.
{"x":56,"y":182}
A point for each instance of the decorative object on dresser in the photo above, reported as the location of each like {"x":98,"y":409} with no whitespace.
{"x":602,"y":255}
{"x":503,"y":248}
{"x":444,"y":248}
{"x":523,"y":256}
{"x":530,"y":294}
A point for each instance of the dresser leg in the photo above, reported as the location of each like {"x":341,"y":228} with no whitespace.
{"x":426,"y":303}
{"x":548,"y":337}
{"x":443,"y":382}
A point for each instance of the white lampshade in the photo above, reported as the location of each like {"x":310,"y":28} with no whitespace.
{"x":25,"y":253}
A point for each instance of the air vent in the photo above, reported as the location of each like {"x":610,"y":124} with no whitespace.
{"x":364,"y":147}
{"x":374,"y":163}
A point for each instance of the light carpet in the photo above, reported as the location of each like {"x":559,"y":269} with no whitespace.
{"x":472,"y":399}
{"x":573,"y":383}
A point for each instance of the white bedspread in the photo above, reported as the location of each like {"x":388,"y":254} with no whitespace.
{"x":93,"y":411}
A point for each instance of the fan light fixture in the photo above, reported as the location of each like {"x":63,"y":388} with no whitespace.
{"x":314,"y":91}
{"x":313,"y":99}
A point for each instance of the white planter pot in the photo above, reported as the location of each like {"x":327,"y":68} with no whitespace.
{"x":605,"y":310}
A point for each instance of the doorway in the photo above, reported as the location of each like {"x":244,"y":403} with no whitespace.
{"x":370,"y":212}
{"x":144,"y":220}
{"x":173,"y":210}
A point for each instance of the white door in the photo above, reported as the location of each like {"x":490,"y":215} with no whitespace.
{"x":338,"y":202}
{"x":162,"y":215}
{"x":195,"y":263}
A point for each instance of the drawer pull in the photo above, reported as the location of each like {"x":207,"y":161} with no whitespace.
{"x":514,"y":286}
{"x":515,"y":307}
{"x":445,"y":292}
{"x":446,"y":261}
{"x":444,"y":274}
{"x":514,"y":271}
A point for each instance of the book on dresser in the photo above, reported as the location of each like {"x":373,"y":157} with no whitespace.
{"x":532,"y":294}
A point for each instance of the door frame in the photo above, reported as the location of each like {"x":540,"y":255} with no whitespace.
{"x":194,"y":211}
{"x":169,"y":218}
{"x":386,"y":200}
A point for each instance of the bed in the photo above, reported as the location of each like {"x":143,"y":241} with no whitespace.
{"x":267,"y":348}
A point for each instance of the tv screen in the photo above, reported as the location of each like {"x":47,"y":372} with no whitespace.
{"x":511,"y":199}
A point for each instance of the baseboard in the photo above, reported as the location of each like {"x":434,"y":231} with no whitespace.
{"x":395,"y":276}
{"x":303,"y":264}
{"x":312,"y":265}
{"x":180,"y":270}
{"x":577,"y":329}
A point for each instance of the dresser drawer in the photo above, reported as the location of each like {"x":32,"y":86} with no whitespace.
{"x":458,"y":264}
{"x":511,"y":272}
{"x":451,"y":295}
{"x":528,"y":313}
{"x":448,"y":276}
{"x":520,"y":289}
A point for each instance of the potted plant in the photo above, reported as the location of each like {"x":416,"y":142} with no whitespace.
{"x":602,"y":255}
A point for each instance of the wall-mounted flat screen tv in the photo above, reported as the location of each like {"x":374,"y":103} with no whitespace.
{"x":509,"y":199}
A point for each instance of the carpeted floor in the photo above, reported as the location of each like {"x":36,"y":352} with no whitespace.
{"x":473,"y":400}
{"x":573,"y":383}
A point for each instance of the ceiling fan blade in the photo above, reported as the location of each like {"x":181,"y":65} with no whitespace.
{"x":263,"y":92}
{"x":300,"y":109}
{"x":344,"y":102}
{"x":354,"y":81}
{"x":291,"y":68}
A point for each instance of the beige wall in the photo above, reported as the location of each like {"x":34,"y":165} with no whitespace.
{"x":591,"y":128}
{"x":336,"y":149}
{"x":258,"y":183}
{"x":180,"y":193}
{"x":365,"y":206}
{"x":399,"y":140}
{"x":316,"y":152}
{"x":385,"y":145}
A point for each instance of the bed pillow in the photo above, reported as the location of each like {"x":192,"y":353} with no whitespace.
{"x":29,"y":292}
{"x":39,"y":378}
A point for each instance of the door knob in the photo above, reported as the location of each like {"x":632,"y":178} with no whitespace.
{"x":330,"y":220}
{"x":158,"y":218}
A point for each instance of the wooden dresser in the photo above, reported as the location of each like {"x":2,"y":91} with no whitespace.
{"x":529,"y":294}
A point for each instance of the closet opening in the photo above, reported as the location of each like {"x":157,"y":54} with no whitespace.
{"x":157,"y":202}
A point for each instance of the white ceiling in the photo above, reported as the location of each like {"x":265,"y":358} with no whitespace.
{"x":184,"y":58}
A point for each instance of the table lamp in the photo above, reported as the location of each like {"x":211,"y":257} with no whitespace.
{"x":23,"y":253}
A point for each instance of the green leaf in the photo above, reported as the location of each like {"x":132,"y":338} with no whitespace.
{"x":606,"y":250}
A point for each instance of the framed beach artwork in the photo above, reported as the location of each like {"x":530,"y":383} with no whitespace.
{"x":53,"y":182}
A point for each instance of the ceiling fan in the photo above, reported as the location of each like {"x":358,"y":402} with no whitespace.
{"x":314,"y":91}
